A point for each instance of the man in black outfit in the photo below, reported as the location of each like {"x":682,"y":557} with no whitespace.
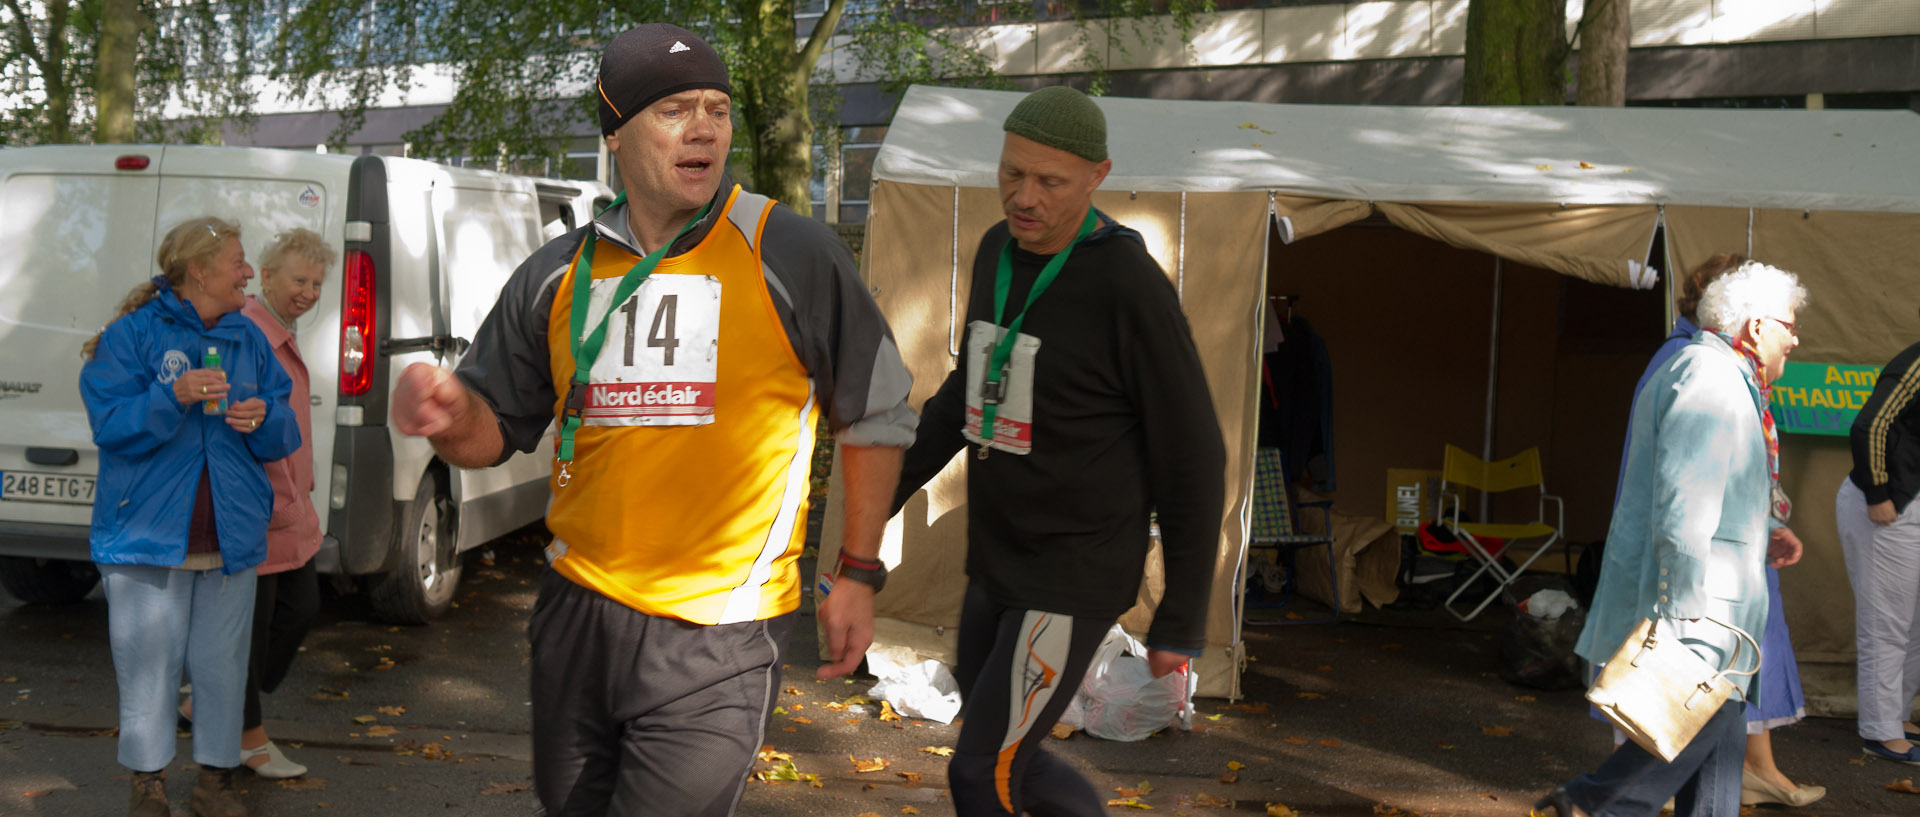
{"x":1084,"y":404}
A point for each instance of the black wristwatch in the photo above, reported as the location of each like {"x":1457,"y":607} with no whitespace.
{"x":872,"y":574}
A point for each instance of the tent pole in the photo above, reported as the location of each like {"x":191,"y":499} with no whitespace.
{"x":1493,"y":376}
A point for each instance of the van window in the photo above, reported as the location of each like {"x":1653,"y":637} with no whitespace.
{"x":556,"y":218}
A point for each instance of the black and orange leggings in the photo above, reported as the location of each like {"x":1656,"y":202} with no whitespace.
{"x":1018,"y":669}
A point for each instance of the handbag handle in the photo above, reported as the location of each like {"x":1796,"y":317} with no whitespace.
{"x":1654,"y":626}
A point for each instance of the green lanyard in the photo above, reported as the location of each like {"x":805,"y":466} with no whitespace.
{"x":995,"y":389}
{"x":586,"y":346}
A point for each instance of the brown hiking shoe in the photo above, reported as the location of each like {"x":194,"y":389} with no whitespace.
{"x":214,"y":795}
{"x":149,"y":795}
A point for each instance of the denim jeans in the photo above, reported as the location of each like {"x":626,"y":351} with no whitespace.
{"x":1704,"y":780}
{"x":160,"y":620}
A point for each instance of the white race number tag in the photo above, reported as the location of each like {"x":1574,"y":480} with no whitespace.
{"x":661,"y":357}
{"x":1013,"y":421}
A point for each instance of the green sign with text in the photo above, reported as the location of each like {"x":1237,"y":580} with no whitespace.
{"x":1821,"y":398}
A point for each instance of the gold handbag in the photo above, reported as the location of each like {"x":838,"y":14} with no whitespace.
{"x":1660,"y":692}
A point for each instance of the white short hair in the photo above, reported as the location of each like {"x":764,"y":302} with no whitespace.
{"x":1752,"y":290}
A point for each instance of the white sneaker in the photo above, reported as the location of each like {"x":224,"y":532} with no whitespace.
{"x":277,"y":767}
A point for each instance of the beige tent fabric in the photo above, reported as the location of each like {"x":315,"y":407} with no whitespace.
{"x":920,"y":279}
{"x":1303,"y":217}
{"x":1605,"y":244}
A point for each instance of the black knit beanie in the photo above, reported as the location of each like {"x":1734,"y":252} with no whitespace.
{"x":1061,"y":117}
{"x":652,"y":61}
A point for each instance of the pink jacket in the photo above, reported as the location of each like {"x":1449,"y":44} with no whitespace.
{"x":293,"y":535}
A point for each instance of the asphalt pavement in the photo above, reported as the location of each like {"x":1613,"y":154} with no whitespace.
{"x":1391,"y":713}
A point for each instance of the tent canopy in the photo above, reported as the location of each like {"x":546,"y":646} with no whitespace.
{"x":1766,"y":159}
{"x":1831,"y":195}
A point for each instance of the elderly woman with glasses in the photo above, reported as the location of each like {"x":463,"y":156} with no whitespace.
{"x":1691,"y":535}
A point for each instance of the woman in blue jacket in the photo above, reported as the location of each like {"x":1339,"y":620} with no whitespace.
{"x":180,"y":515}
{"x":1691,"y":535}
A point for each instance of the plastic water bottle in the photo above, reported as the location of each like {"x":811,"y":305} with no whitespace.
{"x":213,"y":405}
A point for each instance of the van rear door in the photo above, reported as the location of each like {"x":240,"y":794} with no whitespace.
{"x":78,"y":235}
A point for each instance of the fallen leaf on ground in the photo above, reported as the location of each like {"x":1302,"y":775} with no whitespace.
{"x":1543,"y":167}
{"x":1495,"y":731}
{"x":1586,"y":165}
{"x":1298,"y":741}
{"x":943,"y":751}
{"x":887,"y":713}
{"x":1311,"y":696}
{"x":852,"y":721}
{"x":1205,"y":800}
{"x":1858,"y":761}
{"x":1214,"y":717}
{"x":768,"y":755}
{"x":1903,"y":786}
{"x":779,"y":710}
{"x":1145,"y":787}
{"x":785,"y":772}
{"x":395,"y":711}
{"x":1236,"y":765}
{"x":858,"y":700}
{"x":1384,"y":810}
{"x":1128,"y":802}
{"x":497,"y":787}
{"x":877,"y":764}
{"x":910,"y":777}
{"x":1329,"y":743}
{"x":1277,"y":810}
{"x":836,"y":706}
{"x":1526,"y":698}
{"x":867,"y":814}
{"x":354,"y":761}
{"x":303,"y":784}
{"x":798,"y":719}
{"x":380,"y":731}
{"x":1230,"y":778}
{"x":1062,"y":731}
{"x":909,"y":810}
{"x":365,"y":719}
{"x":792,"y":690}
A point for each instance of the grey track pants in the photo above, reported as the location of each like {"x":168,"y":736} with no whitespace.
{"x":636,"y":714}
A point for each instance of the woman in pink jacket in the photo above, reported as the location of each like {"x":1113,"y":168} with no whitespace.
{"x":292,"y":271}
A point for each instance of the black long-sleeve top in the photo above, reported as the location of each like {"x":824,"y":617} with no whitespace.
{"x":1123,"y":425}
{"x":1886,"y":434}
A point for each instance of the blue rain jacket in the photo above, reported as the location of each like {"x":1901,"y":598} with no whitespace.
{"x":152,"y":447}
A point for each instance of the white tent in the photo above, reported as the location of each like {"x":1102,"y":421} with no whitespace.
{"x":1223,"y":190}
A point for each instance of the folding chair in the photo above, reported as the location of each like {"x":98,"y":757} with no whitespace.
{"x":1464,"y":470}
{"x":1274,"y":515}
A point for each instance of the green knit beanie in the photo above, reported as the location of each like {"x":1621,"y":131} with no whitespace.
{"x":1061,"y":117}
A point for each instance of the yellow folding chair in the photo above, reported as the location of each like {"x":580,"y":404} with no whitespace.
{"x":1462,"y":470}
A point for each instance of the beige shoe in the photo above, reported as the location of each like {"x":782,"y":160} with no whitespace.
{"x":215,"y":796}
{"x":275,"y":766}
{"x":149,"y":795}
{"x":1755,"y":790}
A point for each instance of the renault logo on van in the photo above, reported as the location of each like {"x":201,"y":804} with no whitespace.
{"x":10,"y":389}
{"x":309,"y":197}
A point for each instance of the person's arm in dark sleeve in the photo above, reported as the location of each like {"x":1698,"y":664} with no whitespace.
{"x":507,"y":367}
{"x":938,"y":439}
{"x":1186,"y":458}
{"x":1877,"y":428}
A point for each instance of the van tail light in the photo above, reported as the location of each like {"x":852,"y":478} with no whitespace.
{"x":131,"y":161}
{"x":356,"y":325}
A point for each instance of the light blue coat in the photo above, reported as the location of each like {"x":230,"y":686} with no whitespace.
{"x":1689,"y":535}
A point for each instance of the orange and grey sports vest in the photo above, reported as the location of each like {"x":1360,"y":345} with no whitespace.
{"x":688,"y":495}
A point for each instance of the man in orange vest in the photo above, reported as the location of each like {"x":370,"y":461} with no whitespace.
{"x":686,"y":344}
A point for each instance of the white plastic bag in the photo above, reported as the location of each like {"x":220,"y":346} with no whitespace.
{"x":923,"y":689}
{"x":1121,"y":700}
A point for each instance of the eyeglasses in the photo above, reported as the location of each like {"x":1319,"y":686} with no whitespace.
{"x":1784,"y":324}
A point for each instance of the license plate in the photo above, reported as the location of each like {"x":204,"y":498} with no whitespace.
{"x":28,"y":486}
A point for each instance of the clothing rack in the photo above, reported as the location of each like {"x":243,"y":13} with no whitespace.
{"x":1290,"y":301}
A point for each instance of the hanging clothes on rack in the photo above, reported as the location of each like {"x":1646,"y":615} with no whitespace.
{"x":1296,"y":394}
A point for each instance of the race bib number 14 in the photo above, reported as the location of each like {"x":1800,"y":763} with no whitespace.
{"x":661,"y":357}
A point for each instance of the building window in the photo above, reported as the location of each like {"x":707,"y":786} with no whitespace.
{"x":859,"y":146}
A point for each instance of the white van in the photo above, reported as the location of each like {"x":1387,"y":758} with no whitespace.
{"x":425,"y":249}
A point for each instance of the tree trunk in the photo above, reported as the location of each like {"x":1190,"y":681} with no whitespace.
{"x":1516,"y":52}
{"x":113,"y":76}
{"x":772,"y":92}
{"x":1606,"y":29}
{"x":53,"y":72}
